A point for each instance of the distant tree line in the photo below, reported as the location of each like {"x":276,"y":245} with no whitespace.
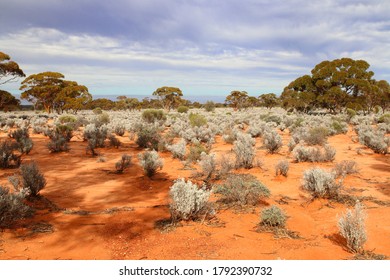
{"x":333,"y":85}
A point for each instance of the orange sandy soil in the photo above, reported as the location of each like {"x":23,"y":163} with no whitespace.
{"x":77,"y":182}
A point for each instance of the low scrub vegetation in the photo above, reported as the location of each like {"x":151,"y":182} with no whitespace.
{"x":320,"y":183}
{"x":188,"y":201}
{"x":150,"y":162}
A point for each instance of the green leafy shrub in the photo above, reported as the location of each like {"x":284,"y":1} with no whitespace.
{"x":153,"y":115}
{"x":182,"y":109}
{"x":197,"y":120}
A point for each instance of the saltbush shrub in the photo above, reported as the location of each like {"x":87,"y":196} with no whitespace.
{"x":12,"y":207}
{"x":374,"y":139}
{"x":208,"y":165}
{"x":33,"y":181}
{"x":314,"y":154}
{"x":244,"y":149}
{"x":282,"y":167}
{"x":188,"y":201}
{"x":352,"y":228}
{"x":57,"y":143}
{"x":273,"y":217}
{"x":153,"y":115}
{"x":150,"y":162}
{"x":242,"y":189}
{"x":119,"y":130}
{"x":345,"y":167}
{"x":272,"y":141}
{"x":148,"y":136}
{"x":316,"y":136}
{"x":320,"y":183}
{"x":209,"y":106}
{"x":178,"y":150}
{"x":123,"y":163}
{"x":8,"y":157}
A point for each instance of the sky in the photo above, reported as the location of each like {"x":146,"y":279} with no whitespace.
{"x":204,"y":47}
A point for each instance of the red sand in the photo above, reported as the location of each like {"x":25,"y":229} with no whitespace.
{"x":77,"y":182}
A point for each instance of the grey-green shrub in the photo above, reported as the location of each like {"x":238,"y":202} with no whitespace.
{"x":150,"y":162}
{"x":178,"y":150}
{"x":153,"y":115}
{"x":123,"y":163}
{"x":188,"y":201}
{"x":33,"y":181}
{"x":374,"y":139}
{"x":352,"y":228}
{"x":244,"y":149}
{"x":272,"y":141}
{"x":345,"y":167}
{"x":273,"y":216}
{"x":12,"y":207}
{"x":314,"y":154}
{"x":208,"y":165}
{"x":282,"y":167}
{"x":8,"y":157}
{"x":242,"y":189}
{"x":320,"y":183}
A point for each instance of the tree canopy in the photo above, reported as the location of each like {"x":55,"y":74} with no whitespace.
{"x":50,"y":90}
{"x":237,"y":99}
{"x":9,"y":70}
{"x":333,"y":85}
{"x":170,"y":97}
{"x":8,"y":101}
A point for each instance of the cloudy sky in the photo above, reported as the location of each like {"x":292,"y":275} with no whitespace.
{"x":204,"y":47}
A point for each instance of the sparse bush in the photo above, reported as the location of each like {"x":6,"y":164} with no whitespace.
{"x":22,"y":137}
{"x":226,"y":164}
{"x":195,"y":151}
{"x":33,"y":181}
{"x":242,"y":189}
{"x":273,"y":217}
{"x":153,"y":115}
{"x":208,"y":165}
{"x":8,"y":158}
{"x":102,"y":119}
{"x":345,"y":167}
{"x":57,"y":143}
{"x":316,"y":136}
{"x":188,"y":201}
{"x":314,"y":154}
{"x":95,"y":135}
{"x":385,"y":118}
{"x":197,"y":120}
{"x":19,"y":134}
{"x":350,"y":113}
{"x":123,"y":163}
{"x":272,"y":141}
{"x":245,"y":151}
{"x":150,"y":162}
{"x":114,"y":142}
{"x":178,"y":150}
{"x":320,"y":183}
{"x":119,"y":130}
{"x":282,"y":168}
{"x":182,"y":109}
{"x":352,"y":228}
{"x":209,"y":106}
{"x":374,"y":139}
{"x":12,"y":208}
{"x":148,"y":136}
